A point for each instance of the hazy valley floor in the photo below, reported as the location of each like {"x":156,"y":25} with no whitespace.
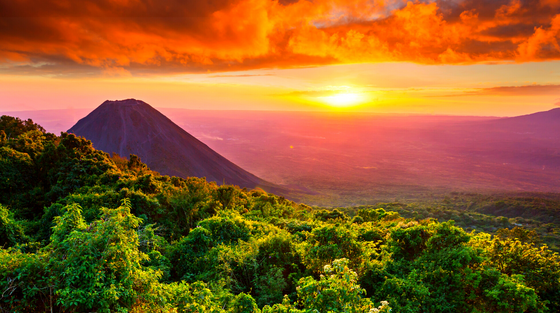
{"x":346,"y":159}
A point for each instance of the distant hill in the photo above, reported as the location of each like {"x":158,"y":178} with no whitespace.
{"x":134,"y":127}
{"x":545,"y":123}
{"x":551,"y":116}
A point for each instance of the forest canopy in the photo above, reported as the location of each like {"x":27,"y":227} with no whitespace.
{"x":83,"y":231}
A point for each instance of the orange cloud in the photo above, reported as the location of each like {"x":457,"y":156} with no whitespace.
{"x":543,"y":44}
{"x":515,"y":91}
{"x":527,"y":90}
{"x":143,"y":37}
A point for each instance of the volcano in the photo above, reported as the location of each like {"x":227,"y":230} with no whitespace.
{"x":134,"y":127}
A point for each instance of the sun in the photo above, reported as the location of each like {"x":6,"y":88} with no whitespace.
{"x":343,"y":99}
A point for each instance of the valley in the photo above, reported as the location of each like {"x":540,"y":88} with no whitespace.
{"x":344,"y":159}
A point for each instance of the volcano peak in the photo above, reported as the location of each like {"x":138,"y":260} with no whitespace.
{"x":132,"y":126}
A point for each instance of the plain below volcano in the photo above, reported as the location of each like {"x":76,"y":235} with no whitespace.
{"x":134,"y":127}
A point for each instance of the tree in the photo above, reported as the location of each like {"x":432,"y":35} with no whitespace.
{"x":98,"y":266}
{"x":336,"y":291}
{"x":14,"y":126}
{"x":11,"y":231}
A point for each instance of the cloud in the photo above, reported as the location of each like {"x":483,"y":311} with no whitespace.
{"x":525,"y":90}
{"x":312,"y":93}
{"x":327,"y":92}
{"x":239,"y":75}
{"x":144,"y":37}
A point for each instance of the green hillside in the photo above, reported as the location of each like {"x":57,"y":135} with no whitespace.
{"x":82,"y":231}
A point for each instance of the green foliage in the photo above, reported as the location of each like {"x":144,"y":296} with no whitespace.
{"x":408,"y":241}
{"x":11,"y":231}
{"x":189,"y":256}
{"x":325,"y":244}
{"x":81,"y":231}
{"x":405,"y":294}
{"x":537,"y":212}
{"x":14,"y":126}
{"x":539,"y":267}
{"x":17,"y":170}
{"x":521,"y":234}
{"x":196,"y":298}
{"x":99,"y":265}
{"x":25,"y":282}
{"x":244,"y":303}
{"x":336,"y":292}
{"x":508,"y":294}
{"x":72,"y":220}
{"x":226,"y":229}
{"x":373,"y":215}
{"x":334,"y":215}
{"x":190,"y":204}
{"x":443,"y":273}
{"x":76,"y":164}
{"x":285,"y":307}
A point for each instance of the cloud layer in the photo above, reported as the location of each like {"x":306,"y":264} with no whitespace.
{"x":122,"y":37}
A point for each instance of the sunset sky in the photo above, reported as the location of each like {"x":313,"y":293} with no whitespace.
{"x":464,"y":57}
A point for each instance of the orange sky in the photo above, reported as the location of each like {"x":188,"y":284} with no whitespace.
{"x":492,"y":57}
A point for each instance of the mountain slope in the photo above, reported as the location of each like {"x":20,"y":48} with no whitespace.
{"x":134,"y":127}
{"x":550,"y":116}
{"x":545,"y":124}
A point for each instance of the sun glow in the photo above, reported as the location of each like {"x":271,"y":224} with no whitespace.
{"x":343,"y":99}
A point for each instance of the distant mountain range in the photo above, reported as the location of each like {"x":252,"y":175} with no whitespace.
{"x":134,"y":127}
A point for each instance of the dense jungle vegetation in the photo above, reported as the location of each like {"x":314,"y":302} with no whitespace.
{"x":82,"y":231}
